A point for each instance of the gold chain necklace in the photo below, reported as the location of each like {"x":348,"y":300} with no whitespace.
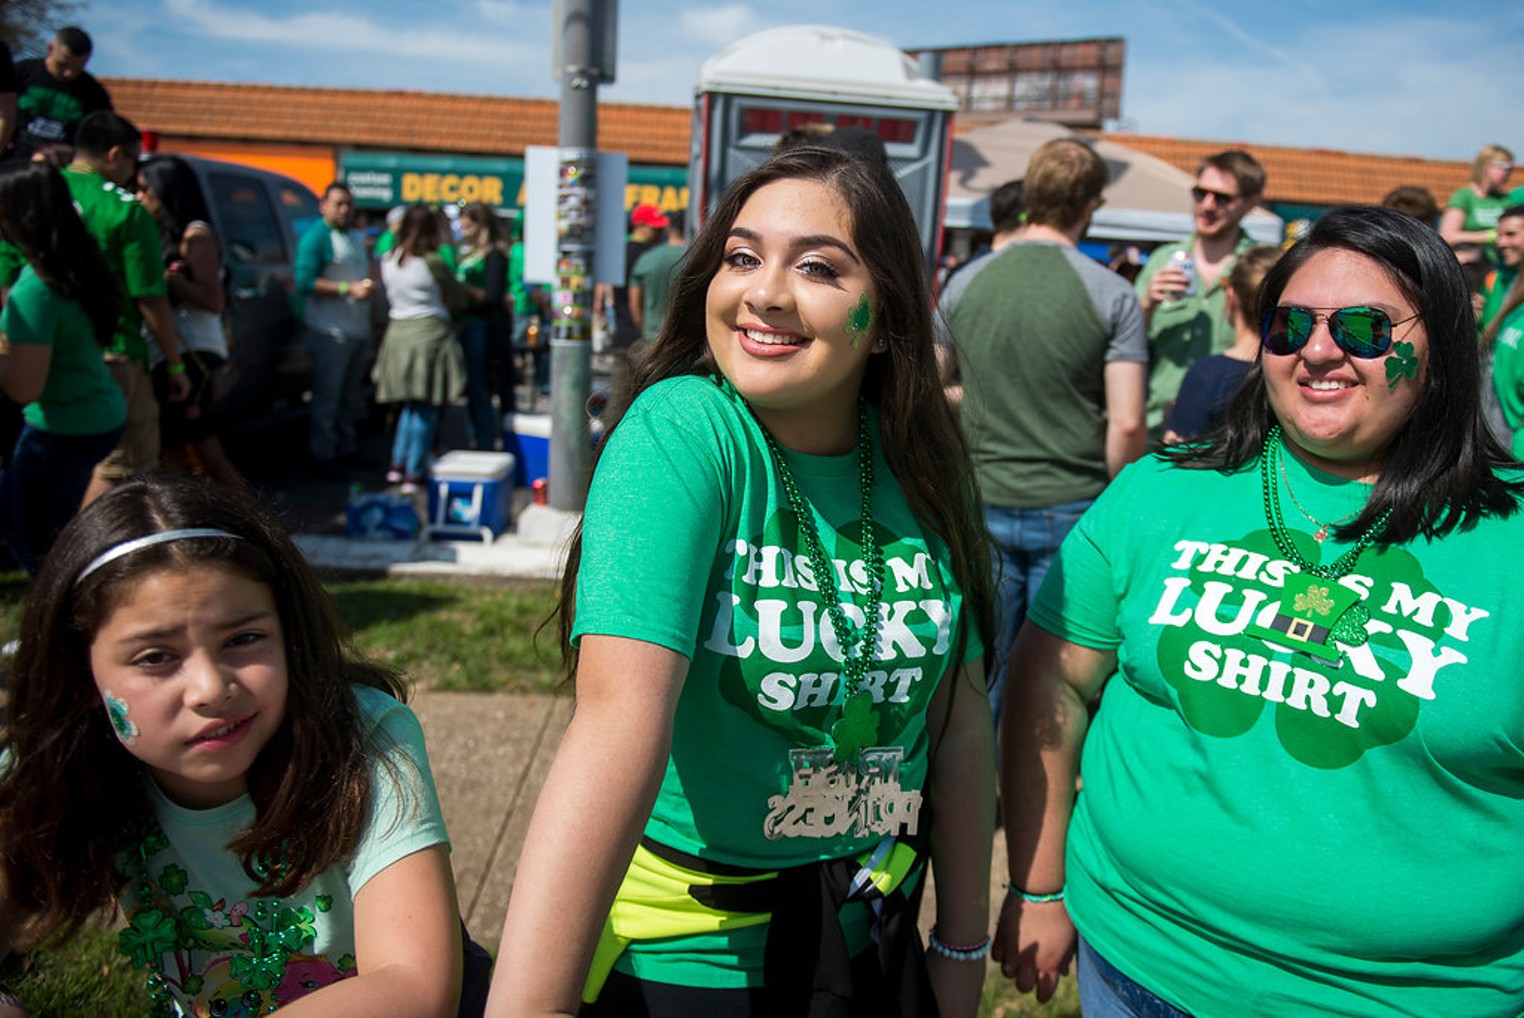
{"x":1321,"y":534}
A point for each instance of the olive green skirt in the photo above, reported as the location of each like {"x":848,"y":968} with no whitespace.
{"x":420,"y":360}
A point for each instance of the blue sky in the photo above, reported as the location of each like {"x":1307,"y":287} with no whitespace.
{"x":1400,"y":77}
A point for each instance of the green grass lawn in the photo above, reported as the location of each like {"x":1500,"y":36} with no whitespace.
{"x":441,"y":634}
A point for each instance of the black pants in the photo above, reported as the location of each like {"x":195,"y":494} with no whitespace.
{"x":625,"y":996}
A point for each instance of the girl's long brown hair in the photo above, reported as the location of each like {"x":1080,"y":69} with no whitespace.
{"x":922,"y":441}
{"x":72,"y":798}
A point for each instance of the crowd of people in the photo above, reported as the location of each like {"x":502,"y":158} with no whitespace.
{"x":855,"y":563}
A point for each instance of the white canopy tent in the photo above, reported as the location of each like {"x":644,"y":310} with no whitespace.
{"x":1148,"y":199}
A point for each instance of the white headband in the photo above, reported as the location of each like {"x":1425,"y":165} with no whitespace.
{"x":128,"y":547}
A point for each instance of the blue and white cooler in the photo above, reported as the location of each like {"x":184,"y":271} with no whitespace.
{"x":470,"y":496}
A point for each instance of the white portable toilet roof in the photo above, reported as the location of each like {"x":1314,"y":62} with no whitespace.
{"x":823,"y":62}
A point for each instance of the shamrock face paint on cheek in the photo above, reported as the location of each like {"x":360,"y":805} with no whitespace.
{"x":1401,"y":363}
{"x":116,"y":709}
{"x":859,"y":318}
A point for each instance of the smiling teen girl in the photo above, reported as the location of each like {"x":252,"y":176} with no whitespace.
{"x":777,"y":603}
{"x":191,"y":739}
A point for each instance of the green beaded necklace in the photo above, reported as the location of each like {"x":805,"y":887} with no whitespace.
{"x":1350,"y":626}
{"x":857,"y":728}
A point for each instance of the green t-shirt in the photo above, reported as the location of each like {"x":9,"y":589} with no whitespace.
{"x":1508,"y":375}
{"x":79,"y":396}
{"x":1184,"y":330}
{"x":1258,"y":825}
{"x":190,"y":907}
{"x":655,"y":272}
{"x":1499,"y":282}
{"x":1035,"y":325}
{"x":688,"y":543}
{"x":1482,"y":212}
{"x":130,"y":240}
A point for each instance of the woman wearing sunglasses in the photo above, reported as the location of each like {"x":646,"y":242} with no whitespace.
{"x":1305,"y":779}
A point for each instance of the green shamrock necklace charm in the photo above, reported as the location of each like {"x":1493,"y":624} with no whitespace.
{"x":857,"y":728}
{"x":1313,"y":616}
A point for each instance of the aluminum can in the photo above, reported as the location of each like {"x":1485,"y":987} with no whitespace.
{"x":1183,"y":261}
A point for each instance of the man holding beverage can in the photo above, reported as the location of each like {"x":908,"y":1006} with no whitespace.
{"x":1181,"y":287}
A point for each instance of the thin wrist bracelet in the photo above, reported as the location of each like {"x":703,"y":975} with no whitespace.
{"x":177,"y":368}
{"x":973,"y":952}
{"x":1035,"y":899}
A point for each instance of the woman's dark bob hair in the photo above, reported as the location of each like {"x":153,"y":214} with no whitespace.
{"x":1439,"y":469}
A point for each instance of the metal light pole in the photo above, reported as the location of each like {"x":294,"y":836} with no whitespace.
{"x":585,"y":32}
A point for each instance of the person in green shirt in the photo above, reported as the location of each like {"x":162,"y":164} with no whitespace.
{"x":1503,"y":326}
{"x":484,"y":326}
{"x":1304,"y":783}
{"x":778,"y":597}
{"x":58,"y":317}
{"x":1470,"y":220}
{"x":107,"y":147}
{"x":651,"y":279}
{"x":1185,"y":311}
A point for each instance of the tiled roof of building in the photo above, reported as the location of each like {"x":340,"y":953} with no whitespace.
{"x":1313,"y":176}
{"x":498,"y":125}
{"x":389,"y":119}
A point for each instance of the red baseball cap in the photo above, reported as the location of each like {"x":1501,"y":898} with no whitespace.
{"x":648,"y":215}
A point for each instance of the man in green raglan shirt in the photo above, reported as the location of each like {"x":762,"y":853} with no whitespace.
{"x":107,"y":147}
{"x":1185,"y":311}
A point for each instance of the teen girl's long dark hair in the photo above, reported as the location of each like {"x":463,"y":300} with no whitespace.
{"x":37,"y":215}
{"x":72,"y":798}
{"x":174,"y":184}
{"x":1438,"y":472}
{"x":921,"y":439}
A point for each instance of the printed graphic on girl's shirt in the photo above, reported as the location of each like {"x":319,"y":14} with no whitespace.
{"x":766,"y":605}
{"x":225,"y":958}
{"x":1332,"y":700}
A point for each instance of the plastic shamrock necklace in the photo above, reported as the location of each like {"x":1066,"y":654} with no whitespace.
{"x":1349,"y":625}
{"x":857,"y":728}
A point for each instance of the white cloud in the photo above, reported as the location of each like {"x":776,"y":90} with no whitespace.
{"x":718,"y":27}
{"x":333,"y":31}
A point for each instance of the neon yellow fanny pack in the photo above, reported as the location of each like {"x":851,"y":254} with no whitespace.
{"x":660,"y":898}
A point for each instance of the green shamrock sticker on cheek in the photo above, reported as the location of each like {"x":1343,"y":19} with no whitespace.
{"x":858,"y":319}
{"x":1402,"y":363}
{"x":116,"y":709}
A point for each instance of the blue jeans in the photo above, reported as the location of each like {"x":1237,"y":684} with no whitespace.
{"x":479,"y":410}
{"x":1025,"y":542}
{"x":1106,"y":992}
{"x":42,"y":488}
{"x":338,"y":392}
{"x":415,"y":437}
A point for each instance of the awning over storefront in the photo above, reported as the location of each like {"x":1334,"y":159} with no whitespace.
{"x":1148,"y":199}
{"x":383,"y":179}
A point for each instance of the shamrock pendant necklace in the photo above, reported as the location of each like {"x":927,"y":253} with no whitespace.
{"x":857,"y":728}
{"x":1307,"y":604}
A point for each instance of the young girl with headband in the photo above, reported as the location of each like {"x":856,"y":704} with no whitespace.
{"x":778,"y":602}
{"x":191,"y":739}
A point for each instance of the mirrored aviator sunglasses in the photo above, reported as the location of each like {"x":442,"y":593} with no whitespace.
{"x":1359,"y":331}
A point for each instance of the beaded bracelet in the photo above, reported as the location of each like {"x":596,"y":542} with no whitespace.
{"x":974,"y":952}
{"x":1035,"y":899}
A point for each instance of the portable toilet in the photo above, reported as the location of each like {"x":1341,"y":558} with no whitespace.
{"x":759,"y":88}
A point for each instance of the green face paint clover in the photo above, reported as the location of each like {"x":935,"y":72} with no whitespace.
{"x":116,"y":709}
{"x":1403,"y":363}
{"x":858,"y":319}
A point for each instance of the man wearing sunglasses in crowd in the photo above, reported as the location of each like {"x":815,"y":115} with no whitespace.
{"x":1185,"y":308}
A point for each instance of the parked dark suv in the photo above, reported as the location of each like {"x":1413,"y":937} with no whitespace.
{"x":258,"y":216}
